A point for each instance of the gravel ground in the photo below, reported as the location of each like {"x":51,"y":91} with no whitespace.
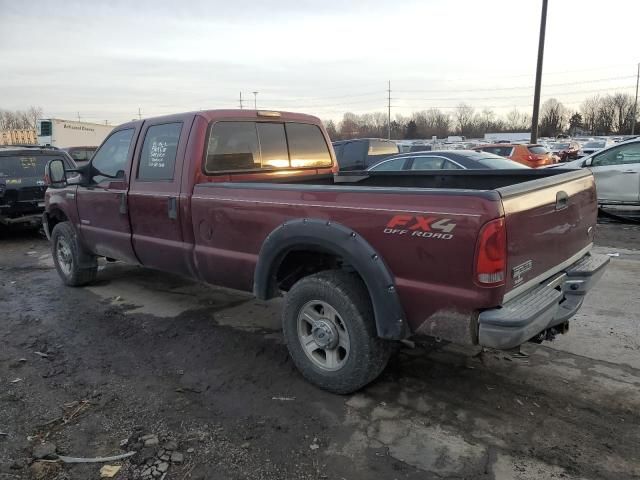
{"x":196,"y":380}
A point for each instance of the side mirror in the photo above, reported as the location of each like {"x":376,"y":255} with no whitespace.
{"x":56,"y":175}
{"x":120,"y":174}
{"x":587,"y":162}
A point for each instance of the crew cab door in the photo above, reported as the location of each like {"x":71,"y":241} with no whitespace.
{"x":155,"y":207}
{"x":102,"y":204}
{"x":617,"y":174}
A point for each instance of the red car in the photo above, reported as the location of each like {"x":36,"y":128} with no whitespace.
{"x":249,"y":200}
{"x":533,"y":156}
{"x":566,"y":150}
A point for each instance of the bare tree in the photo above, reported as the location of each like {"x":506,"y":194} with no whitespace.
{"x":589,"y":109}
{"x":330,"y":126}
{"x":518,"y":121}
{"x":552,"y":118}
{"x":605,"y":116}
{"x":623,"y":105}
{"x":20,"y":119}
{"x":33,"y":114}
{"x":464,"y":117}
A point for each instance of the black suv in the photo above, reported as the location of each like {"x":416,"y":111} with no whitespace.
{"x":360,"y":153}
{"x":22,"y":183}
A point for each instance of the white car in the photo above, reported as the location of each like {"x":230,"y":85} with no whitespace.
{"x":616,"y":170}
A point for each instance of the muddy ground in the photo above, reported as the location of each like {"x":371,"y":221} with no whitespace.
{"x":141,"y":352}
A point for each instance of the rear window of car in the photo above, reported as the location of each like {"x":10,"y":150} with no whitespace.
{"x":380,"y":147}
{"x":594,"y":145}
{"x":22,"y":166}
{"x":420,"y":148}
{"x":265,"y":145}
{"x":560,"y":146}
{"x":502,"y":151}
{"x":538,"y":149}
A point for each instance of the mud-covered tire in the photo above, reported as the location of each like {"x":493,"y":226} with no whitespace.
{"x":347,"y":295}
{"x":75,"y":266}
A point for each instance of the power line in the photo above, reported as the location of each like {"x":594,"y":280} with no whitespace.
{"x":518,"y":88}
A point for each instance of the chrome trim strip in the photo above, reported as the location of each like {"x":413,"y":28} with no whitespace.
{"x":317,"y":205}
{"x":545,"y":275}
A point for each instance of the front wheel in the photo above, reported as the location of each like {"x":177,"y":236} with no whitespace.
{"x":75,"y":266}
{"x":329,"y":329}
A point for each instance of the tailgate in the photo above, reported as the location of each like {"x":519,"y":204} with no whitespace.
{"x":550,"y":225}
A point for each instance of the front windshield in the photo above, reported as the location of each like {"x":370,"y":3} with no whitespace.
{"x":560,"y":146}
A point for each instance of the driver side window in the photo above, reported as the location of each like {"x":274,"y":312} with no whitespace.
{"x":112,"y":155}
{"x":622,"y":155}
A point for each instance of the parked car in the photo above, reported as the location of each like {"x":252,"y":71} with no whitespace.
{"x":420,"y":147}
{"x":80,"y":155}
{"x":360,"y":153}
{"x":533,"y":156}
{"x":617,"y":172}
{"x":593,"y":146}
{"x":445,"y":160}
{"x":22,"y":183}
{"x":249,"y":200}
{"x":566,"y":150}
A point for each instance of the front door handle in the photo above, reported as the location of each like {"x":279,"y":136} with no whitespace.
{"x":630,"y":171}
{"x":172,"y":208}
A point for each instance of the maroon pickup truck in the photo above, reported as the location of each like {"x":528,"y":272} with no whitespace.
{"x":253,"y":201}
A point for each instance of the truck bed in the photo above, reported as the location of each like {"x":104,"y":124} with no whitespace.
{"x":434,"y":272}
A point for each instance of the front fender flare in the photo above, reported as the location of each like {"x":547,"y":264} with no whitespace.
{"x":334,"y":238}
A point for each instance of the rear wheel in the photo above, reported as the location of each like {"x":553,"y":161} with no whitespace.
{"x":330,"y":332}
{"x":75,"y":266}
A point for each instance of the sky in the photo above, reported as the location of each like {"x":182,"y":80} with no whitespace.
{"x":104,"y":60}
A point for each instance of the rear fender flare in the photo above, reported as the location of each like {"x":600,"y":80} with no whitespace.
{"x":336,"y":239}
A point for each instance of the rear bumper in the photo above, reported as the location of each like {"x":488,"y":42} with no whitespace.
{"x":548,"y":304}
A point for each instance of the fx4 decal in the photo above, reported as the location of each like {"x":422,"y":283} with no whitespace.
{"x":419,"y":226}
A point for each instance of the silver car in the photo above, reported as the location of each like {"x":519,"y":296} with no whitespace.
{"x":616,"y":170}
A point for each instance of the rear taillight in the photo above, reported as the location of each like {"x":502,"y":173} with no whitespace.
{"x":491,"y":254}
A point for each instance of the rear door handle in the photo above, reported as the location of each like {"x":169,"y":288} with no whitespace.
{"x":562,"y":200}
{"x":172,"y":208}
{"x":123,"y":204}
{"x":629,"y":171}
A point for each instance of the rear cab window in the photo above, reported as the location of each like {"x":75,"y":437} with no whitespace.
{"x":246,"y":145}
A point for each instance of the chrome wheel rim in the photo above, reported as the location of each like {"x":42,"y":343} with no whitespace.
{"x":323,"y":335}
{"x":64,"y":255}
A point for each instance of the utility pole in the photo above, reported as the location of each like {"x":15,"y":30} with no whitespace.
{"x":389,"y":111}
{"x":536,"y":95}
{"x":255,"y":100}
{"x":139,"y":114}
{"x":78,"y":116}
{"x":635,"y":105}
{"x":240,"y":100}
